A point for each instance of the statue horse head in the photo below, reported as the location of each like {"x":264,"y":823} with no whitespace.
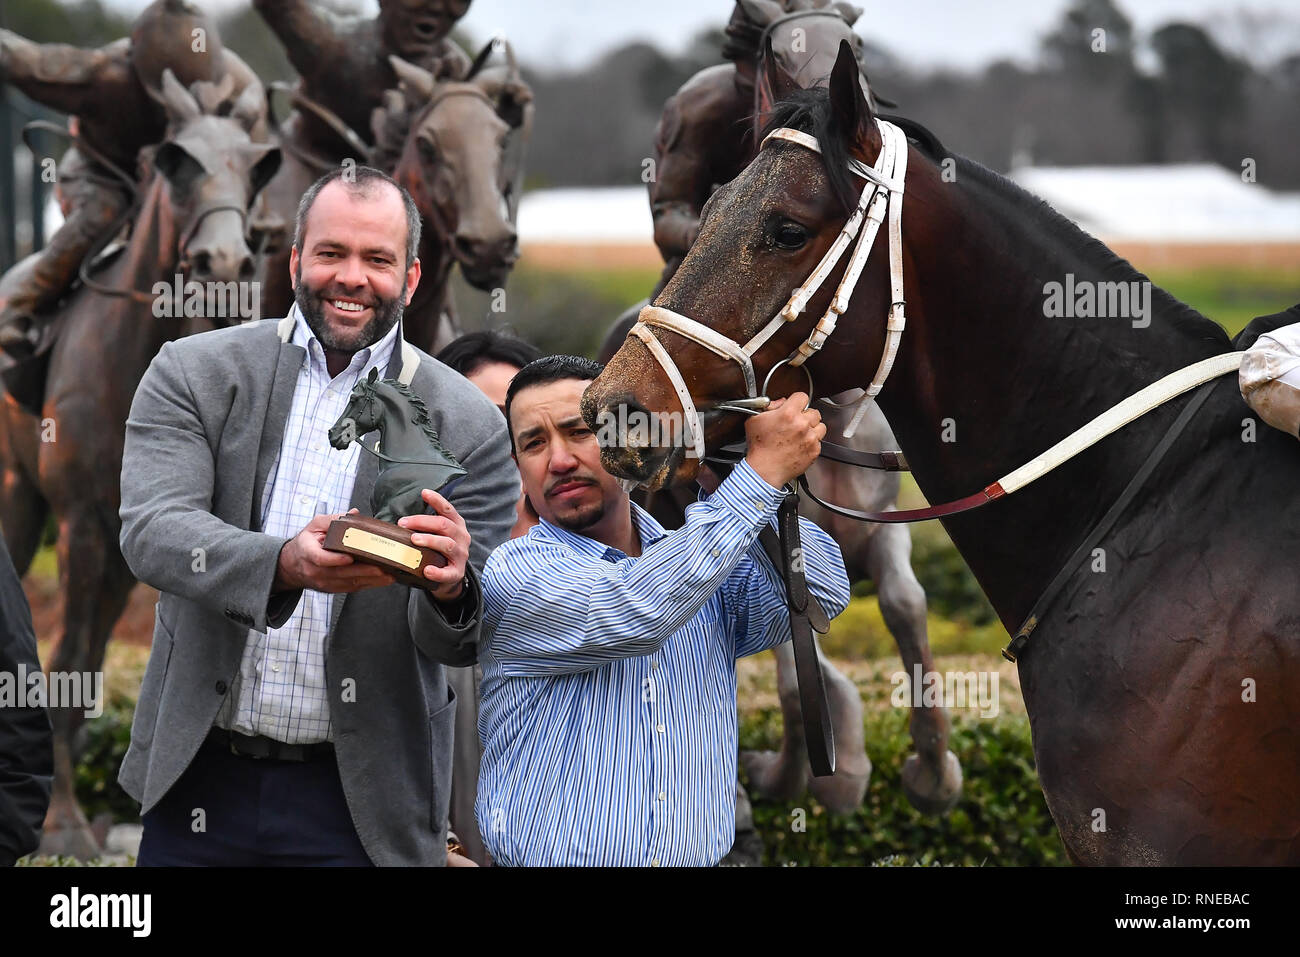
{"x":459,"y":152}
{"x":212,"y":171}
{"x":411,"y":456}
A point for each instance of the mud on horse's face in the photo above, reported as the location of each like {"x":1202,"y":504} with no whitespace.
{"x":761,"y":236}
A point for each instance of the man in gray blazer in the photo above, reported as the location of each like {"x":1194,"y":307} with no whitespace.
{"x":295,"y":708}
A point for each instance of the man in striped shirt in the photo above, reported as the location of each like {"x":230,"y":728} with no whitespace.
{"x":609,"y":648}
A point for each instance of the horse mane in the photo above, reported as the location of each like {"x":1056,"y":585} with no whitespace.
{"x":810,"y":112}
{"x":421,"y":416}
{"x":1113,"y":267}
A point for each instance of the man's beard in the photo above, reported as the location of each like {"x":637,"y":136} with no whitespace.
{"x":582,"y":519}
{"x":385,"y":313}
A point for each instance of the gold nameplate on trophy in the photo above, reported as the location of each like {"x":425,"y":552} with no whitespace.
{"x":378,"y":547}
{"x":383,"y":544}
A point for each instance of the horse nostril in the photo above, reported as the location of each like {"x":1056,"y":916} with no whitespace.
{"x":247,"y":269}
{"x":201,"y":262}
{"x":467,"y":248}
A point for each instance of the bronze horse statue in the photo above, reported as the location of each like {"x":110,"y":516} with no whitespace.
{"x":708,"y":133}
{"x":191,"y":221}
{"x":1159,"y":682}
{"x":457,"y":145}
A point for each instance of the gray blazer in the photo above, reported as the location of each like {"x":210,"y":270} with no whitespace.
{"x":204,"y":431}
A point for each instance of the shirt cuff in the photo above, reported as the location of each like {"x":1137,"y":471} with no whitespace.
{"x":748,"y":495}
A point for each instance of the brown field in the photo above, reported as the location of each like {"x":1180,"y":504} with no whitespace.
{"x":1143,"y":255}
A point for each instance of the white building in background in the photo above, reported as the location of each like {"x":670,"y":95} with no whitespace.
{"x":1192,"y":203}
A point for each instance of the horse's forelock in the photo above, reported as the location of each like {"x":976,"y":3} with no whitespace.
{"x":809,"y":111}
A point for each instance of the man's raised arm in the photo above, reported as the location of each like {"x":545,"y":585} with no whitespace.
{"x":63,"y":77}
{"x":308,"y":33}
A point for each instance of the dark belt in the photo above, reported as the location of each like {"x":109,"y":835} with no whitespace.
{"x":263,"y":748}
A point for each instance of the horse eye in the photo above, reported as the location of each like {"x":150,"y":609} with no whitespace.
{"x":790,"y":236}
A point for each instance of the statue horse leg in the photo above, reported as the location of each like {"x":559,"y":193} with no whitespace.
{"x":23,"y":508}
{"x":785,"y":774}
{"x":932,"y":777}
{"x":95,"y":582}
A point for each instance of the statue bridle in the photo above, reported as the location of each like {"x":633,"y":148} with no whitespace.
{"x":882,"y":195}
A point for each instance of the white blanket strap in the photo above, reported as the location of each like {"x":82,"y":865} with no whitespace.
{"x":1118,"y":416}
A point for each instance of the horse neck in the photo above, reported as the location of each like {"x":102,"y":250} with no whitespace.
{"x":398,"y":435}
{"x":151,"y":256}
{"x":980,"y":356}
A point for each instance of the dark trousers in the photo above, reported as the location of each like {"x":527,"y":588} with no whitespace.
{"x":233,"y":811}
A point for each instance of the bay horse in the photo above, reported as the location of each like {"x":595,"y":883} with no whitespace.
{"x":457,"y":146}
{"x":190,"y":220}
{"x":1160,"y":682}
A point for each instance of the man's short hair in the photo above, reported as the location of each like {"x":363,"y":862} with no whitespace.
{"x":544,"y":371}
{"x":360,"y":181}
{"x":474,"y":350}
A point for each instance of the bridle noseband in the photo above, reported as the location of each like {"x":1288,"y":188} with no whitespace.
{"x":882,"y":195}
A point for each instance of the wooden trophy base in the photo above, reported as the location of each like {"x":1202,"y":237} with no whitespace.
{"x":386,"y":545}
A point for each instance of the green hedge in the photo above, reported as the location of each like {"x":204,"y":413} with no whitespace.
{"x":105,"y":742}
{"x":1001,"y":819}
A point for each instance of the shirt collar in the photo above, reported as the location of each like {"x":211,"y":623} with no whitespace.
{"x":647,"y":528}
{"x":377,"y":354}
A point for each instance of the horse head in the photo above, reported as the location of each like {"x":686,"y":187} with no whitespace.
{"x":213,"y":171}
{"x":364,"y":413}
{"x":762,"y":235}
{"x":458,"y":163}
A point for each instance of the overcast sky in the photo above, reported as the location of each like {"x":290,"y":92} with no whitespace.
{"x":954,"y":33}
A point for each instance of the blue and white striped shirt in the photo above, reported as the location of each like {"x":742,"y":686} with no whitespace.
{"x":608,"y":712}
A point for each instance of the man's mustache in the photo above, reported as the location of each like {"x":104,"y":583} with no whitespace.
{"x":571,"y":480}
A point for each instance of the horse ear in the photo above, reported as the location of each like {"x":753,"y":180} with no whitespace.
{"x":760,"y":12}
{"x":415,"y":79}
{"x":250,"y":105}
{"x":778,"y":81}
{"x":848,"y":11}
{"x":848,"y":102}
{"x":374,"y":374}
{"x":178,"y":102}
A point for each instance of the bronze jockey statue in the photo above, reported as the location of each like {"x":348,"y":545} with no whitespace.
{"x":112,"y":94}
{"x":705,"y":135}
{"x":343,"y":64}
{"x":344,"y":70}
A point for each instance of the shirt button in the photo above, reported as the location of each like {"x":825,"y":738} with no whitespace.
{"x":653,"y":664}
{"x":304,"y":500}
{"x":716,"y":553}
{"x":220,"y":687}
{"x":663,"y":796}
{"x":661,"y":729}
{"x":655,"y":862}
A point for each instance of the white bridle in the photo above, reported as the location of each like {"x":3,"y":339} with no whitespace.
{"x":882,"y":193}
